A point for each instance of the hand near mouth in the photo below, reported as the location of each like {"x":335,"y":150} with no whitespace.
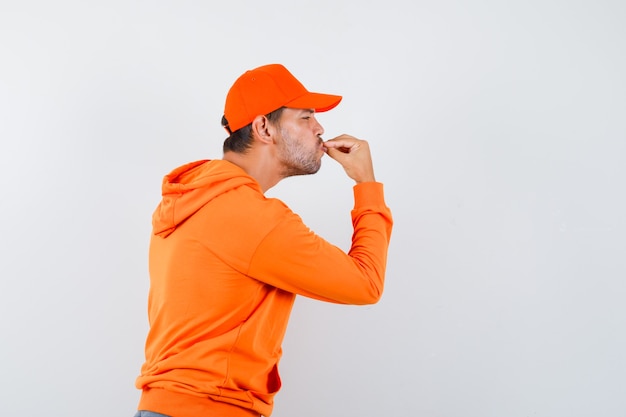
{"x":354,"y":156}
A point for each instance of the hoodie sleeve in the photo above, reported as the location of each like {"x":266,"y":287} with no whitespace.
{"x":295,"y":259}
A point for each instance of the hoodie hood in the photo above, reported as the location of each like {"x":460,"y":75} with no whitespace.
{"x":188,"y":188}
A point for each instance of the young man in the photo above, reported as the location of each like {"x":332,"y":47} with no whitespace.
{"x":226,"y":263}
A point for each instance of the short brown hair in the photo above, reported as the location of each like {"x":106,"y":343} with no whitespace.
{"x":240,"y":140}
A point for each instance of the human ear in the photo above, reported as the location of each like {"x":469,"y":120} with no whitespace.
{"x":262,"y":129}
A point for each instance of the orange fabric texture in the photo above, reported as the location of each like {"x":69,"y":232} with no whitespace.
{"x":226,"y":264}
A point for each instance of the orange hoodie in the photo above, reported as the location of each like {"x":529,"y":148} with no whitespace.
{"x":225,"y":266}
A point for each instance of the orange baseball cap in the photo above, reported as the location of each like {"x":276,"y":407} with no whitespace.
{"x":264,"y":89}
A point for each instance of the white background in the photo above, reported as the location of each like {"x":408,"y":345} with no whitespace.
{"x":498,"y":128}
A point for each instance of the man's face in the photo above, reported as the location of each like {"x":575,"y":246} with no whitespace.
{"x":300,"y":145}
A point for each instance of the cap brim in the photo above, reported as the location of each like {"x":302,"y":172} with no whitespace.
{"x":317,"y":101}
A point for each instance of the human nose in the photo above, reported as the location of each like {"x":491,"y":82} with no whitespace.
{"x":319,"y":129}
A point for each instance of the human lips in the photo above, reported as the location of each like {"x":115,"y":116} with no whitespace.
{"x":322,"y":147}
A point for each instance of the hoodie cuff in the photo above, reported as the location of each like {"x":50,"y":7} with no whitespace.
{"x":368,"y":194}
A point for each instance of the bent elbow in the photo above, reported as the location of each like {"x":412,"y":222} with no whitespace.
{"x":372,"y":296}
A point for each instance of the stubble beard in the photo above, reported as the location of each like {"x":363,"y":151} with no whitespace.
{"x":297,"y":159}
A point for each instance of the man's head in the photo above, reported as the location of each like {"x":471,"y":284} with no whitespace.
{"x":262,"y":90}
{"x":274,"y":133}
